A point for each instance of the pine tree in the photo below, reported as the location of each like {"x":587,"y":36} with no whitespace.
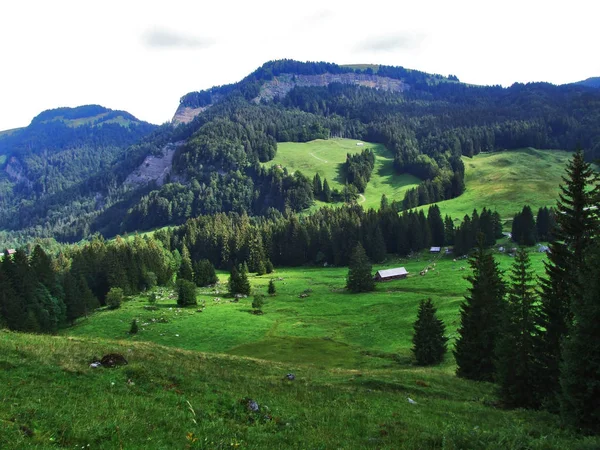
{"x":448,"y":231}
{"x":360,"y":278}
{"x":516,"y":364}
{"x":317,"y":185}
{"x":186,"y":271}
{"x":429,"y":341}
{"x":134,"y":327}
{"x":480,"y":316}
{"x":326,"y":191}
{"x":204,"y":273}
{"x":238,"y":280}
{"x":580,"y":369}
{"x":436,"y":226}
{"x":576,"y":225}
{"x":186,"y":293}
{"x":258,"y":302}
{"x":114,"y":298}
{"x":271,"y":290}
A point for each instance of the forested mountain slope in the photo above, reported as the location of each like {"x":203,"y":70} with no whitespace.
{"x":427,"y":122}
{"x":46,"y":166}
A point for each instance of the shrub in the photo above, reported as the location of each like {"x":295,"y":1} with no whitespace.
{"x":186,"y":293}
{"x":114,"y":298}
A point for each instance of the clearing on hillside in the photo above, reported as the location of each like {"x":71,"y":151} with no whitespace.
{"x":327,"y":156}
{"x":506,"y":181}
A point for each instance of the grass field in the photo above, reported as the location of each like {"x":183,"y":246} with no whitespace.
{"x":506,"y":181}
{"x":326,"y":157}
{"x":503,"y":181}
{"x":191,"y":374}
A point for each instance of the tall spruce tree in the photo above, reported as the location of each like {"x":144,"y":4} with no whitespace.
{"x":436,"y":225}
{"x":576,"y":226}
{"x":580,"y":369}
{"x":480,"y":318}
{"x":360,"y":278}
{"x":186,"y":271}
{"x":516,"y":364}
{"x":429,"y":341}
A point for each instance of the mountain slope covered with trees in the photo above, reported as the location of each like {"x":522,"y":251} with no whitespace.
{"x":428,"y":125}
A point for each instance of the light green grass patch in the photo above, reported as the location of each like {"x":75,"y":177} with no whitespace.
{"x":506,"y":181}
{"x":327,"y":156}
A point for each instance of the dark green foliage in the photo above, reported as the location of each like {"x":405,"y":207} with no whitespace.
{"x":576,"y":227}
{"x":185,"y":269}
{"x":114,"y":298}
{"x":271,"y":290}
{"x":358,"y":168}
{"x":269,"y":267}
{"x":545,"y":223}
{"x":580,"y":368}
{"x":524,"y":229}
{"x":326,"y":196}
{"x":360,"y":278}
{"x":186,"y":293}
{"x":238,"y":281}
{"x":204,"y":273}
{"x":429,"y":341}
{"x":480,"y":318}
{"x":258,"y":302}
{"x":488,"y":225}
{"x":448,"y":231}
{"x":436,"y":226}
{"x":134,"y":327}
{"x":517,"y":367}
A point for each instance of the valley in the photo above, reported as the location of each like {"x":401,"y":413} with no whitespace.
{"x":234,"y":287}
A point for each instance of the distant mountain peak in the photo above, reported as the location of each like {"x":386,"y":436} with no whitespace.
{"x":590,"y":82}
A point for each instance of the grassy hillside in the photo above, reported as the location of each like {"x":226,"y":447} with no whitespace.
{"x":349,"y":354}
{"x":505,"y":181}
{"x":326,"y":158}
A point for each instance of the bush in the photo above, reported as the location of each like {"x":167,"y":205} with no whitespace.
{"x":186,"y":293}
{"x":114,"y":298}
{"x":258,"y":302}
{"x":134,"y":327}
{"x":272,"y":290}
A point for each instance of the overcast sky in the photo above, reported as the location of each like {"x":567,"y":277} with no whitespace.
{"x":142,"y":56}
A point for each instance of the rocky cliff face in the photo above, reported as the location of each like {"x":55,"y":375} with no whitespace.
{"x":279,"y":86}
{"x":154,"y":168}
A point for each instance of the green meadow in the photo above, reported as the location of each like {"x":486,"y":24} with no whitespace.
{"x":503,"y":181}
{"x":506,"y":181}
{"x":326,"y":157}
{"x":194,"y":372}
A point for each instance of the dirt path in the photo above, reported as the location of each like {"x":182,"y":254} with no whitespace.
{"x":316,"y":157}
{"x":362,"y":198}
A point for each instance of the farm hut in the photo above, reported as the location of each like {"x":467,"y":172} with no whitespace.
{"x":391,"y":274}
{"x":360,"y":144}
{"x":435,"y":249}
{"x":9,"y":251}
{"x":449,"y":250}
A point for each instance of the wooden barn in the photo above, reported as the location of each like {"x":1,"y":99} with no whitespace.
{"x":435,"y":249}
{"x":391,"y":274}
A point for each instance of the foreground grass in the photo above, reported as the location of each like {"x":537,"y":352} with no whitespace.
{"x":192,"y":373}
{"x":169,"y":398}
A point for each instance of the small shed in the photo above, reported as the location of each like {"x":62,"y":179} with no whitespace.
{"x":435,"y":249}
{"x":391,"y":274}
{"x":360,"y":144}
{"x":449,"y":250}
{"x":9,"y":251}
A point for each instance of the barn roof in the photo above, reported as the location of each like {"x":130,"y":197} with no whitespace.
{"x":392,"y":272}
{"x":435,"y":249}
